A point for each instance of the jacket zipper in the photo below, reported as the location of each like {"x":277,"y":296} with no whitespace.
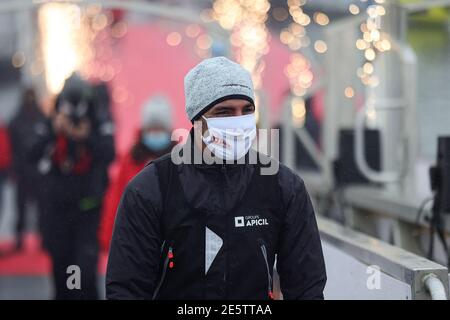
{"x":166,"y":264}
{"x":224,"y":171}
{"x":269,"y":277}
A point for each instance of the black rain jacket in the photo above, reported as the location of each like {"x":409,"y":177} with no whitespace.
{"x":198,"y":231}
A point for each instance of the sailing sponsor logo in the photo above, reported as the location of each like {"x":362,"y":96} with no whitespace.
{"x":250,"y":221}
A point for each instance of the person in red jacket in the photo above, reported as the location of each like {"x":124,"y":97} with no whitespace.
{"x":5,"y":159}
{"x":153,"y":140}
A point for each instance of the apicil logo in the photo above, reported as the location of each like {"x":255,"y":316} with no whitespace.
{"x":239,"y":222}
{"x":250,"y":221}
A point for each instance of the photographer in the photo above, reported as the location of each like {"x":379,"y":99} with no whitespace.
{"x":72,"y":149}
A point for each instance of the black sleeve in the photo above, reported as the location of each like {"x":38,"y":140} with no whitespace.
{"x":135,"y":246}
{"x":101,"y":141}
{"x":300,"y":261}
{"x":102,"y":146}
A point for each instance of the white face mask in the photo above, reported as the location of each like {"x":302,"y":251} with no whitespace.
{"x":230,"y":138}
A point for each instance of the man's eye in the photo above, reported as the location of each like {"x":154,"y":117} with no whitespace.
{"x":223,"y":113}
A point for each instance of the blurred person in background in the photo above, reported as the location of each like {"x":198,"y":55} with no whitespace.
{"x":26,"y":175}
{"x":72,"y":148}
{"x":152,"y":141}
{"x":5,"y":160}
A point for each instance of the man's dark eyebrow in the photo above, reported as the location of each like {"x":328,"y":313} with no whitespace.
{"x":228,"y":107}
{"x":223,"y":107}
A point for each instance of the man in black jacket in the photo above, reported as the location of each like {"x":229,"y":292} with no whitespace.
{"x":214,"y":230}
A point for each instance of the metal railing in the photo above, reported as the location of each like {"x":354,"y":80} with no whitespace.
{"x":426,"y":279}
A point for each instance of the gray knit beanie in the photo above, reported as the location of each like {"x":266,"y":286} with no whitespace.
{"x":212,"y":81}
{"x":157,"y":112}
